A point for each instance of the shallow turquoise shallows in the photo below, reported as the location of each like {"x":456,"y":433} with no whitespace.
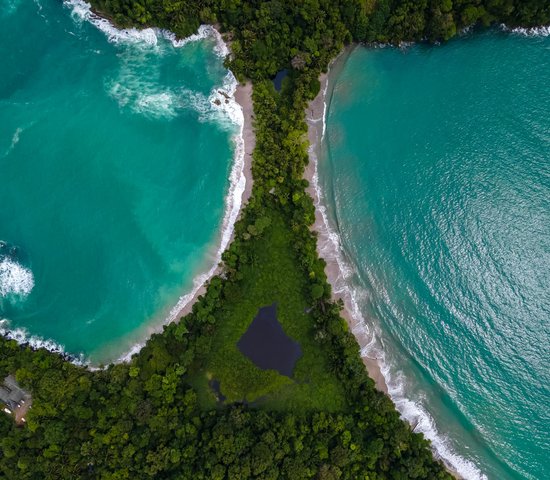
{"x":114,"y":167}
{"x":436,"y":171}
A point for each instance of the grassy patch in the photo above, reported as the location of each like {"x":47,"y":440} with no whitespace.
{"x":273,"y":276}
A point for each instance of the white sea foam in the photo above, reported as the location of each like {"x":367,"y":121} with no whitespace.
{"x":204,"y":32}
{"x":14,"y":141}
{"x":15,"y":138}
{"x":237,"y":183}
{"x":82,"y":11}
{"x":346,"y":287}
{"x":156,"y":104}
{"x":144,"y":95}
{"x":15,"y":280}
{"x":466,"y":30}
{"x":148,"y":98}
{"x":222,"y":101}
{"x":543,"y":31}
{"x":22,"y":336}
{"x":220,"y":106}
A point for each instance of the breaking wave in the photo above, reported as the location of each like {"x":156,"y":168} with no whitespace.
{"x":145,"y":96}
{"x":148,"y":98}
{"x":345,"y":286}
{"x":23,"y":337}
{"x":237,"y":184}
{"x":15,"y":280}
{"x":543,"y":31}
{"x":82,"y":11}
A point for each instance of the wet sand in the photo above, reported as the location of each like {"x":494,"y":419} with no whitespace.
{"x":243,"y":96}
{"x":325,"y":247}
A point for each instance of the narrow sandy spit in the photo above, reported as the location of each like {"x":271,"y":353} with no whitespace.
{"x":315,"y":116}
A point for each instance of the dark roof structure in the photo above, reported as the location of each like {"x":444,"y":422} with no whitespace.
{"x":11,"y":394}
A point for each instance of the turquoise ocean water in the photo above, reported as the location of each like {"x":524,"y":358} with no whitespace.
{"x":435,"y":170}
{"x":115,"y":165}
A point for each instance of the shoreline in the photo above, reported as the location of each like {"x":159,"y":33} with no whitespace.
{"x":243,"y":97}
{"x":236,"y":101}
{"x":330,"y":249}
{"x":237,"y":197}
{"x":327,"y":245}
{"x":232,"y":99}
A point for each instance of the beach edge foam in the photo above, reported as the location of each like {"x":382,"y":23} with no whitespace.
{"x":340,"y":272}
{"x":235,"y":102}
{"x":237,"y":196}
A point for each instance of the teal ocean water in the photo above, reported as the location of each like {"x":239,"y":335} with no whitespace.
{"x":117,"y":178}
{"x":435,"y":172}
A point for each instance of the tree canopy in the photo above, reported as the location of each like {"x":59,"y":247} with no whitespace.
{"x":157,"y":416}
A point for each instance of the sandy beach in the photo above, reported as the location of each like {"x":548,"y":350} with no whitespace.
{"x":243,"y":96}
{"x":242,"y":171}
{"x":325,"y":246}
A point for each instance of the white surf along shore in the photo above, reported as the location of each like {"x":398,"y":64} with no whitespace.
{"x":232,"y":101}
{"x":228,"y":103}
{"x":343,"y":278}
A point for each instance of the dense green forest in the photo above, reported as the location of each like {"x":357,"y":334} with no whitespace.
{"x":270,"y":35}
{"x":156,"y":416}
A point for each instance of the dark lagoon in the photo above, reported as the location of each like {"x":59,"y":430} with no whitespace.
{"x":267,"y":345}
{"x":278,"y":80}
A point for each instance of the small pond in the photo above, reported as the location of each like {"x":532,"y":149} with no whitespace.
{"x":278,"y":79}
{"x":267,"y":345}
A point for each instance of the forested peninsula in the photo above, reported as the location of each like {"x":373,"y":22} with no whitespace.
{"x":160,"y":416}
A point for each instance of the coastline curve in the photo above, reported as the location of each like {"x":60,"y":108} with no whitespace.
{"x":340,"y":273}
{"x":229,"y":103}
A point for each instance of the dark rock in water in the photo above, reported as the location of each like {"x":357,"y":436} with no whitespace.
{"x":278,"y":80}
{"x":11,"y":251}
{"x":221,"y":92}
{"x":267,"y":345}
